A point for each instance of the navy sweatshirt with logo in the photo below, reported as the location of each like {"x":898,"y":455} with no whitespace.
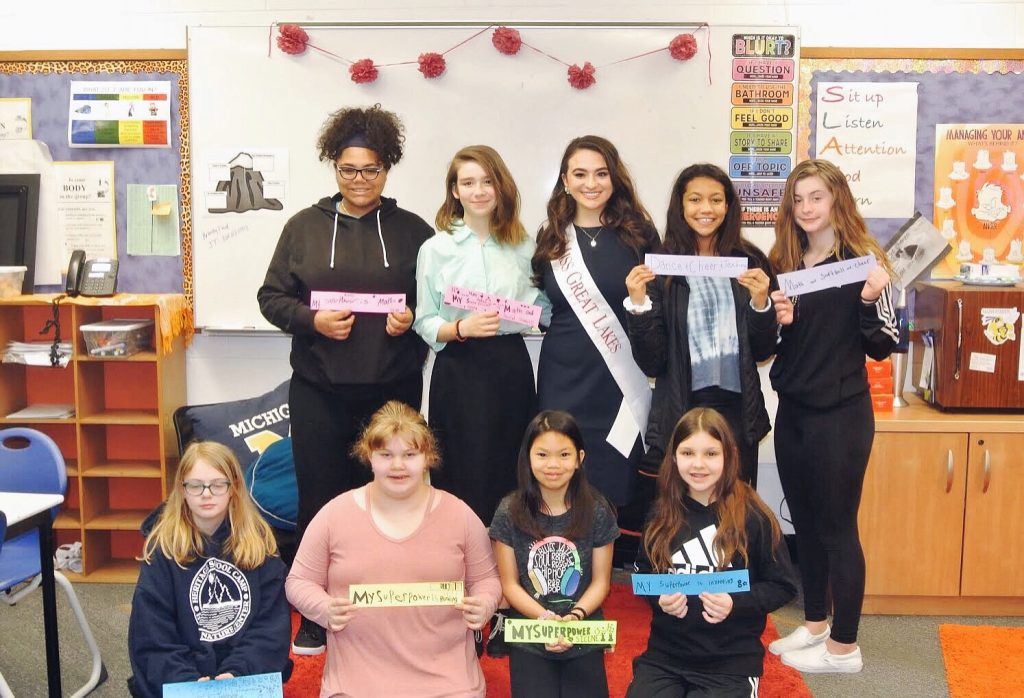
{"x":207,"y":619}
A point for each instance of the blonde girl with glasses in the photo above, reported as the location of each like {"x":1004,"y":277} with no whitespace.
{"x":210,"y":603}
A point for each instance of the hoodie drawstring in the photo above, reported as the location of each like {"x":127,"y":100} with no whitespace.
{"x":380,"y":235}
{"x":334,"y":237}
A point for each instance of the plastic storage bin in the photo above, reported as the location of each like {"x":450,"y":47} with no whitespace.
{"x":118,"y":337}
{"x":11,"y":280}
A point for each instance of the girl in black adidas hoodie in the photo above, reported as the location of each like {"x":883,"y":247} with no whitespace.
{"x":705,"y":519}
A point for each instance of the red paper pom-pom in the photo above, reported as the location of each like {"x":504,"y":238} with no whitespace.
{"x":363,"y":71}
{"x":581,"y":78}
{"x":292,"y":39}
{"x":431,"y":64}
{"x":683,"y":47}
{"x":506,"y":40}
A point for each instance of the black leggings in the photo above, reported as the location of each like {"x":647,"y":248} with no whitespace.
{"x":536,"y":676}
{"x":325,"y":425}
{"x":822,"y":456}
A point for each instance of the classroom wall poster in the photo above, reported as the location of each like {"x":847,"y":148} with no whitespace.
{"x":979,"y":194}
{"x":85,"y":207}
{"x":119,"y":114}
{"x":763,"y":121}
{"x":869,"y":130}
{"x":152,"y":225}
{"x":15,"y":118}
{"x":243,"y":179}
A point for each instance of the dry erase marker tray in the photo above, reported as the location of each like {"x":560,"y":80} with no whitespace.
{"x":118,"y":337}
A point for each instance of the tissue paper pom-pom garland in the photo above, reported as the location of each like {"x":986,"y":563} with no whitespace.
{"x":507,"y":40}
{"x":431,"y":64}
{"x":582,"y":78}
{"x":683,"y":47}
{"x":292,"y":39}
{"x":363,"y":71}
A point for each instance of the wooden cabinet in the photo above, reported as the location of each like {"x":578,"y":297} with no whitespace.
{"x":120,"y":446}
{"x":940,"y":518}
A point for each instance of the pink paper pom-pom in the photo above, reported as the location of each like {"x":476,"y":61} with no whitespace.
{"x":683,"y":47}
{"x":506,"y":40}
{"x":431,"y":64}
{"x":363,"y":71}
{"x":292,"y":39}
{"x":582,"y":78}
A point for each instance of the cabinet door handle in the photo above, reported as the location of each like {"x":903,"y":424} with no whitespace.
{"x":988,"y":472}
{"x":949,"y":471}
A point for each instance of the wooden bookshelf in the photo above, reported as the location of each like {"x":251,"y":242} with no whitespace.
{"x":119,"y":448}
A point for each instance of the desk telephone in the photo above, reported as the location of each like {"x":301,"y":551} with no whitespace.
{"x":91,"y":277}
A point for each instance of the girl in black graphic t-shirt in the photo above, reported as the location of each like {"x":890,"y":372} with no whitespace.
{"x":553,"y":541}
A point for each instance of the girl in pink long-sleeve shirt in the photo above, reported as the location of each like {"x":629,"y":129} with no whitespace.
{"x":397,"y":529}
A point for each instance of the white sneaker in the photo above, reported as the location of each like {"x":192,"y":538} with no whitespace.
{"x":799,"y":639}
{"x":818,"y":660}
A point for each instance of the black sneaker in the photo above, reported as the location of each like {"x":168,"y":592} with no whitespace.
{"x":496,"y":646}
{"x":310,"y":639}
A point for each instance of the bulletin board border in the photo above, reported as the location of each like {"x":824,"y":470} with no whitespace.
{"x":127,"y":62}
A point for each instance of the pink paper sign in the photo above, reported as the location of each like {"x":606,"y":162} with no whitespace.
{"x":508,"y":309}
{"x":357,"y":302}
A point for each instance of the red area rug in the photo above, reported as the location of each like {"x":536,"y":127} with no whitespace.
{"x":981,"y":660}
{"x":634,"y":616}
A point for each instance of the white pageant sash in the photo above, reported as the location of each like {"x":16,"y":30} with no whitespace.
{"x":611,"y":340}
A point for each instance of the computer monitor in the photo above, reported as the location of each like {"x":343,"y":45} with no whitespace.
{"x":19,"y":214}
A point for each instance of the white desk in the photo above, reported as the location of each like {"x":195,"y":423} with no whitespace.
{"x":24,"y":512}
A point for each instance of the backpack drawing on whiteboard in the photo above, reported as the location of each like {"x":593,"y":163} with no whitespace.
{"x":245,"y":188}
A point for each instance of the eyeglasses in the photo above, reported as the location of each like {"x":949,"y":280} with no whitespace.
{"x":196,"y":488}
{"x":369,"y":173}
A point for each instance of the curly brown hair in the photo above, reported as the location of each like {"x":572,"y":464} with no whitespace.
{"x":382,"y":130}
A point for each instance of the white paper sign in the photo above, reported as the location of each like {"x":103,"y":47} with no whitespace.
{"x":826,"y":276}
{"x":693,"y":265}
{"x":986,"y":363}
{"x":869,"y":130}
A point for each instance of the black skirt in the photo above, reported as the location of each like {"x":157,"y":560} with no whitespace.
{"x":482,"y":396}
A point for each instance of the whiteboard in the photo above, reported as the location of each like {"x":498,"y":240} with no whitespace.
{"x":246,"y":96}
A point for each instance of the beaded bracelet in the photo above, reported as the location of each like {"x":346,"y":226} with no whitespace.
{"x":582,"y":610}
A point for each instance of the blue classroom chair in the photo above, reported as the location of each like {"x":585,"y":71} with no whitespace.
{"x":31,"y":462}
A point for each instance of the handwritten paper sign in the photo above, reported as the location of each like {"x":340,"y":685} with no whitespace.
{"x":253,"y":686}
{"x":691,"y":584}
{"x":581,"y":632}
{"x":693,"y":265}
{"x":869,"y":130}
{"x":508,"y":309}
{"x":357,"y":302}
{"x":408,"y":594}
{"x":826,"y":276}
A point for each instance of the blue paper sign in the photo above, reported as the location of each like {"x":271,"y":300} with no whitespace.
{"x":254,"y":686}
{"x":691,"y":584}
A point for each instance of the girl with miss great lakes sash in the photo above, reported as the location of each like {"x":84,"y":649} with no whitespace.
{"x":596,"y":231}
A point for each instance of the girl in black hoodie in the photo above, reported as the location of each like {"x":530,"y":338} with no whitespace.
{"x":706,"y":519}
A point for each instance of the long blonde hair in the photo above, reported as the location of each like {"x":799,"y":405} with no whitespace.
{"x":851,"y":232}
{"x":175,"y":534}
{"x":506,"y":227}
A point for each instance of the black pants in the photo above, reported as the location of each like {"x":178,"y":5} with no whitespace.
{"x":325,"y":425}
{"x":482,"y":396}
{"x":536,"y":676}
{"x":655,"y":680}
{"x":730,"y":405}
{"x":822,"y":455}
